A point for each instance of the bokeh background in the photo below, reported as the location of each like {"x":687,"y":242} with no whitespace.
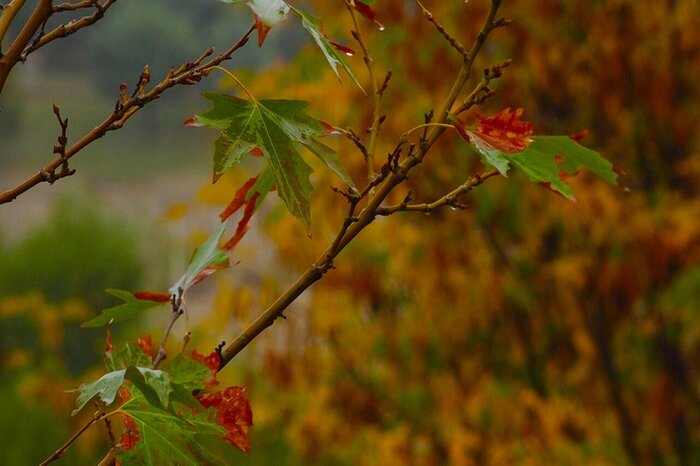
{"x":526,"y":330}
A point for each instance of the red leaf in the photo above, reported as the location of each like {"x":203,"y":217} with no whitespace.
{"x":242,"y":223}
{"x":366,"y":11}
{"x":238,"y":198}
{"x":580,"y":136}
{"x":233,"y":412}
{"x":150,"y":296}
{"x":262,"y":28}
{"x":212,"y":362}
{"x":346,"y":50}
{"x":505,"y":131}
{"x":146,"y":344}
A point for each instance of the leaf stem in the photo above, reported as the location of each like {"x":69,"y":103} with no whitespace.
{"x":424,"y":125}
{"x":238,"y":81}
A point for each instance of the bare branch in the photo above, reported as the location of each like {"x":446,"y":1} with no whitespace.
{"x":7,"y":16}
{"x":13,"y":55}
{"x":448,"y":200}
{"x":186,"y":74}
{"x":73,"y":26}
{"x":452,"y":41}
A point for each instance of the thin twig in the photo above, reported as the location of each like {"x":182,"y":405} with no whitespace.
{"x":74,"y":6}
{"x":73,"y":26}
{"x":376,"y":94}
{"x":178,"y":309}
{"x":452,"y":41}
{"x":58,"y":453}
{"x":448,"y":200}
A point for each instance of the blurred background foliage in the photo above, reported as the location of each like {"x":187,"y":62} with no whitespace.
{"x":525,"y":330}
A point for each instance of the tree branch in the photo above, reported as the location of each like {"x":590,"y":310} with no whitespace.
{"x":347,"y":233}
{"x":13,"y":55}
{"x":73,"y":26}
{"x":7,"y":16}
{"x":187,"y":74}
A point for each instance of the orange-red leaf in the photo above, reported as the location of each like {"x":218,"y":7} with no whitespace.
{"x":238,"y":199}
{"x":343,"y":48}
{"x":262,"y":28}
{"x":366,"y":11}
{"x":233,"y":412}
{"x":151,"y":296}
{"x":505,"y":131}
{"x":212,"y":362}
{"x":146,"y":344}
{"x":242,"y":227}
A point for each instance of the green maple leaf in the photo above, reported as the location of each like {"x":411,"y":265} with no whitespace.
{"x":207,"y":259}
{"x":276,"y":128}
{"x":548,"y":159}
{"x":131,"y":355}
{"x":166,"y":438}
{"x":334,"y":57}
{"x":187,"y":372}
{"x":105,"y":388}
{"x":131,"y":308}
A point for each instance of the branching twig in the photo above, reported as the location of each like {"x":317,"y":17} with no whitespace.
{"x":13,"y":55}
{"x":64,"y":30}
{"x":186,"y":74}
{"x":452,"y":41}
{"x":7,"y":16}
{"x":448,"y":200}
{"x":482,"y":91}
{"x":377,"y":92}
{"x":177,"y":303}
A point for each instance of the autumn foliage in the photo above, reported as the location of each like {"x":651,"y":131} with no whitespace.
{"x":470,"y":317}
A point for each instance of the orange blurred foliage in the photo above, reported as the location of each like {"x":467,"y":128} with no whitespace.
{"x":524,"y":330}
